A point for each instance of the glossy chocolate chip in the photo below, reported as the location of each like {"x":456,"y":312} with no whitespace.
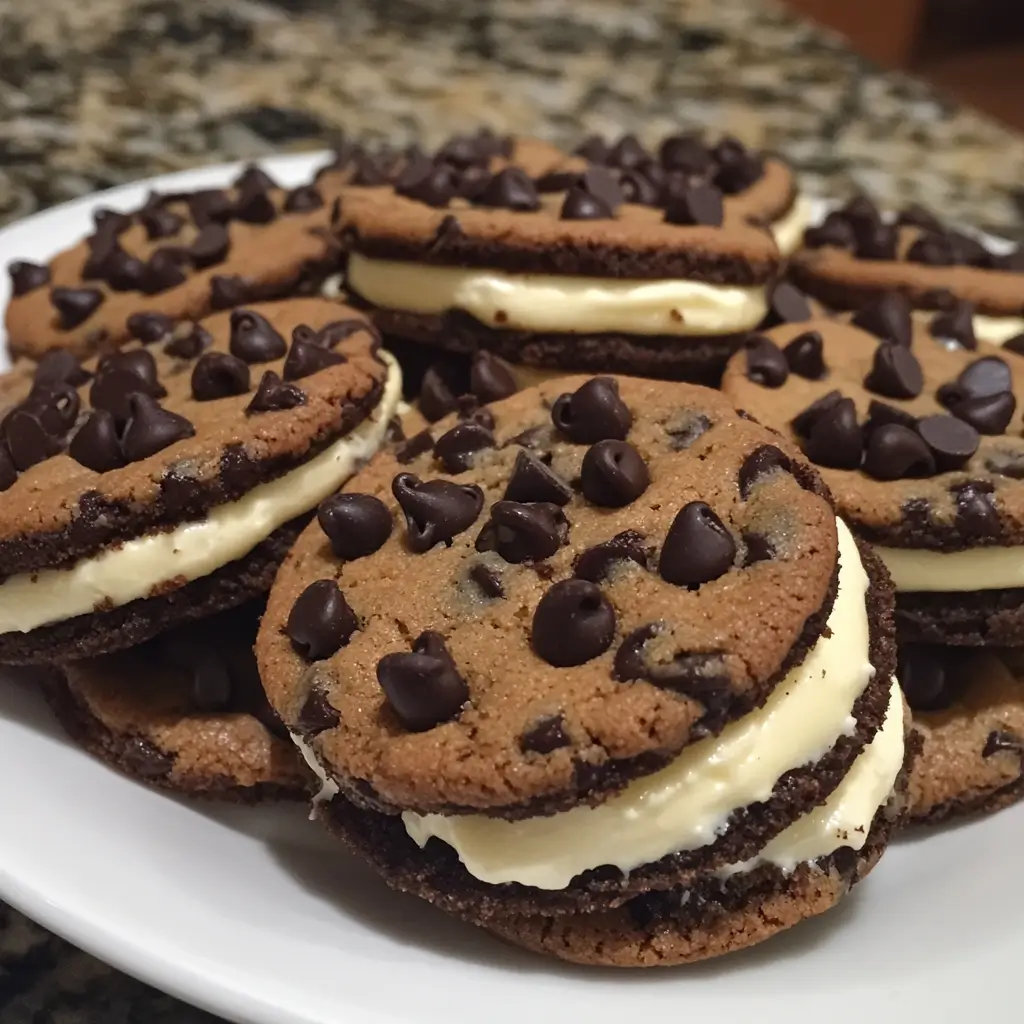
{"x":597,"y":562}
{"x":435,"y":510}
{"x":303,"y":199}
{"x":880,"y":413}
{"x":804,"y":420}
{"x":887,"y":318}
{"x":758,"y":464}
{"x":490,"y":378}
{"x":124,"y":273}
{"x":254,"y":178}
{"x":457,"y":447}
{"x":212,"y":204}
{"x":151,"y":428}
{"x":638,"y":188}
{"x":572,"y":624}
{"x":593,"y":412}
{"x":698,"y":547}
{"x":952,"y":441}
{"x":96,"y":445}
{"x":149,"y":328}
{"x":976,"y":514}
{"x":308,"y":357}
{"x":28,"y":441}
{"x":805,"y":355}
{"x":487,"y":581}
{"x":60,"y":367}
{"x":219,"y":375}
{"x":627,"y":153}
{"x":188,"y":341}
{"x":895,"y":373}
{"x":989,"y":375}
{"x":766,"y":365}
{"x":424,"y":688}
{"x":163,"y":271}
{"x":274,"y":394}
{"x":75,"y":305}
{"x":1001,"y":741}
{"x":685,"y":153}
{"x":581,"y":205}
{"x":112,"y":391}
{"x":545,"y":736}
{"x":138,"y":362}
{"x":56,"y":404}
{"x":956,"y":325}
{"x":228,"y":290}
{"x":356,"y":524}
{"x":531,"y":480}
{"x":415,"y":447}
{"x":254,"y":206}
{"x":160,"y":222}
{"x":426,"y":182}
{"x":437,"y":398}
{"x":317,"y":714}
{"x":613,"y":474}
{"x":210,"y":246}
{"x":510,"y":189}
{"x":988,"y":415}
{"x":27,"y":277}
{"x":835,"y":439}
{"x":321,"y":621}
{"x":630,"y":662}
{"x":894,"y":452}
{"x":696,"y":204}
{"x":254,"y":339}
{"x":923,"y":676}
{"x":523,"y":532}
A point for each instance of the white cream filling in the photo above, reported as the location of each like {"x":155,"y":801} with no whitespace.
{"x":997,"y":330}
{"x":559,"y":302}
{"x":789,"y":229}
{"x":918,"y":570}
{"x":688,"y":803}
{"x":133,"y":569}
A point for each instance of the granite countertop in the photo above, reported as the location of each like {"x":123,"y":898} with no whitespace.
{"x":105,"y":91}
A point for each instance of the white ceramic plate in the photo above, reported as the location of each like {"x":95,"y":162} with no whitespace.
{"x":252,"y":913}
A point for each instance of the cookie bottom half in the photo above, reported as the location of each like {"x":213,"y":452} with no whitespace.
{"x":962,"y":618}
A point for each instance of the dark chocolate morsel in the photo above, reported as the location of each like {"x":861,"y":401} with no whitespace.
{"x":424,"y":687}
{"x":696,"y":204}
{"x":28,"y":441}
{"x":759,"y":549}
{"x":427,"y":182}
{"x":75,"y":305}
{"x":308,"y":357}
{"x":805,"y":355}
{"x":254,"y":179}
{"x":151,"y":428}
{"x":274,"y":394}
{"x":138,"y":362}
{"x":835,"y":439}
{"x":835,"y":230}
{"x":572,"y":624}
{"x":803,"y":421}
{"x":149,"y":327}
{"x":112,"y":390}
{"x":629,"y":662}
{"x":60,"y":367}
{"x":593,"y":412}
{"x":219,"y":375}
{"x":456,"y":447}
{"x":487,"y":580}
{"x":685,"y":153}
{"x":596,"y":563}
{"x":579,"y":204}
{"x":163,"y":271}
{"x":638,"y":187}
{"x":303,"y":199}
{"x":989,"y":375}
{"x":895,"y":373}
{"x":188,"y":341}
{"x":888,"y":318}
{"x":894,"y":452}
{"x":766,"y":365}
{"x":627,"y":153}
{"x":787,"y":305}
{"x":1003,"y":741}
{"x":594,"y":149}
{"x":923,"y":674}
{"x":490,"y":378}
{"x":976,"y":514}
{"x":523,"y":532}
{"x":254,"y":339}
{"x":254,"y":206}
{"x":96,"y":445}
{"x":933,"y":249}
{"x":957,"y":325}
{"x":210,"y":246}
{"x":952,"y":441}
{"x":510,"y":189}
{"x":435,"y":510}
{"x":27,"y":277}
{"x":877,"y":242}
{"x":698,"y":547}
{"x":123,"y":273}
{"x":758,"y":464}
{"x":414,"y":447}
{"x":227,"y":290}
{"x":321,"y":621}
{"x":880,"y":413}
{"x":545,"y":736}
{"x":531,"y":480}
{"x":212,"y":204}
{"x":613,"y":474}
{"x":317,"y":714}
{"x":989,"y":414}
{"x":356,"y":524}
{"x":436,"y":398}
{"x":160,"y":222}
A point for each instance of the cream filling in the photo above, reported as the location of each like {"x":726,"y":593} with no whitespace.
{"x":687,"y":804}
{"x":789,"y":229}
{"x":918,"y":570}
{"x":558,"y":302}
{"x":133,"y":569}
{"x":993,"y":330}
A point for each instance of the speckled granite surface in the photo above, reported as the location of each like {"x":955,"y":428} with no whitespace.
{"x":104,"y":91}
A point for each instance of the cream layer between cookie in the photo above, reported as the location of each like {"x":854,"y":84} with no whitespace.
{"x":917,"y":570}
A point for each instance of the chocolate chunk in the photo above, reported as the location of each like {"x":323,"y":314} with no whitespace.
{"x":880,"y":413}
{"x":308,"y":357}
{"x":989,"y":375}
{"x":698,"y":547}
{"x":227,"y":290}
{"x":356,"y":524}
{"x":923,"y":673}
{"x":990,"y":414}
{"x":545,"y":736}
{"x":254,"y":339}
{"x":60,"y":367}
{"x":317,"y":714}
{"x":510,"y":189}
{"x":759,"y":463}
{"x":456,"y":447}
{"x":27,"y":277}
{"x":487,"y":581}
{"x":613,"y":474}
{"x":142,"y":759}
{"x":952,"y":441}
{"x":834,"y":439}
{"x":160,"y":222}
{"x":759,"y":549}
{"x":415,"y":447}
{"x":532,"y":481}
{"x":956,"y":325}
{"x":188,"y":341}
{"x":593,"y":412}
{"x":151,"y":428}
{"x":28,"y":441}
{"x":369,"y":171}
{"x":436,"y":398}
{"x":522,"y":532}
{"x":321,"y":621}
{"x":572,"y":624}
{"x":490,"y":378}
{"x":581,"y":205}
{"x":887,"y":318}
{"x":162,"y":272}
{"x":685,"y":153}
{"x":212,"y":204}
{"x":835,"y":231}
{"x":424,"y":688}
{"x":976,"y":515}
{"x":894,"y":452}
{"x":435,"y":510}
{"x":696,"y":204}
{"x":895,"y":373}
{"x":303,"y":199}
{"x":766,"y":365}
{"x":738,"y":168}
{"x":630,"y":662}
{"x":273,"y":395}
{"x":219,"y":375}
{"x":149,"y":327}
{"x":427,"y":182}
{"x":96,"y":445}
{"x":805,"y":355}
{"x":596,"y":562}
{"x":75,"y":305}
{"x":254,"y":206}
{"x":1002,"y":741}
{"x":210,"y":246}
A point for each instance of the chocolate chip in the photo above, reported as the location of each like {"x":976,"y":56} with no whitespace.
{"x":435,"y":510}
{"x":804,"y":421}
{"x":188,"y":341}
{"x":956,"y":325}
{"x":56,"y":404}
{"x":121,"y":375}
{"x":427,"y":182}
{"x":219,"y":375}
{"x":698,"y":547}
{"x":595,"y":563}
{"x":522,"y":532}
{"x":28,"y":441}
{"x":759,"y":549}
{"x":254,"y":206}
{"x":1002,"y":741}
{"x":8,"y":473}
{"x":988,"y":415}
{"x":424,"y":688}
{"x":932,"y":249}
{"x":895,"y":373}
{"x":60,"y":367}
{"x":630,"y":662}
{"x":510,"y":189}
{"x":923,"y":676}
{"x":759,"y":463}
{"x":124,"y":273}
{"x":151,"y":428}
{"x":976,"y":515}
{"x":581,"y":205}
{"x":593,"y":412}
{"x":613,"y":474}
{"x":532,"y":481}
{"x":142,"y":759}
{"x":254,"y":339}
{"x":952,"y":441}
{"x":638,"y":188}
{"x":254,"y":178}
{"x":210,"y":246}
{"x":228,"y":290}
{"x":835,"y":230}
{"x":135,"y":361}
{"x":96,"y":445}
{"x":160,"y":222}
{"x":212,"y":204}
{"x":463,"y":151}
{"x":880,"y":413}
{"x":685,"y":153}
{"x":75,"y":305}
{"x":308,"y":357}
{"x":162,"y":272}
{"x":149,"y":327}
{"x":593,"y":148}
{"x":877,"y":242}
{"x":545,"y":736}
{"x":356,"y":524}
{"x":321,"y":621}
{"x":572,"y":624}
{"x":766,"y":365}
{"x":111,"y":222}
{"x":894,"y":452}
{"x":303,"y":199}
{"x":490,"y":378}
{"x":696,"y":204}
{"x":317,"y":714}
{"x":805,"y":355}
{"x":989,"y":375}
{"x":456,"y":447}
{"x":27,"y":277}
{"x":888,"y":318}
{"x":436,"y":398}
{"x":834,"y":439}
{"x":274,"y":395}
{"x":415,"y":447}
{"x":627,"y":153}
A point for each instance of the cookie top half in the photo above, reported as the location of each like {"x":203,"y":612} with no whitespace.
{"x":522,"y":609}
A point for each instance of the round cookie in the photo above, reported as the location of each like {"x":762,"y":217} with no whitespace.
{"x":184,"y":712}
{"x":165,"y":482}
{"x":961,"y":288}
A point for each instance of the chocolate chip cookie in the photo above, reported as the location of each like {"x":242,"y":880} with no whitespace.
{"x":510,"y":634}
{"x":185,"y":712}
{"x":167,"y":480}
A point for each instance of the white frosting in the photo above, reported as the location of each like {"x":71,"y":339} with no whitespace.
{"x":133,"y":569}
{"x":789,"y":229}
{"x":559,"y":302}
{"x":918,"y":569}
{"x":329,"y":789}
{"x":688,"y":803}
{"x":997,"y":330}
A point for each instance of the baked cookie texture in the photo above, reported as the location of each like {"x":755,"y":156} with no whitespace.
{"x":528,"y":613}
{"x":166,"y":481}
{"x":184,"y":712}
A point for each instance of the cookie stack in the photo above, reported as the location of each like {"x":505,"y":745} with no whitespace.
{"x":920,"y":442}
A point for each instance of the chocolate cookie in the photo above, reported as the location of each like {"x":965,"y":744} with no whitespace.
{"x":921,"y":444}
{"x":961,"y":288}
{"x":166,"y":481}
{"x":184,"y":712}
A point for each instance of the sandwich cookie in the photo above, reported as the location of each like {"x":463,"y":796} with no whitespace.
{"x":513,"y":653}
{"x":165,"y":482}
{"x":959,"y":288}
{"x":185,"y":712}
